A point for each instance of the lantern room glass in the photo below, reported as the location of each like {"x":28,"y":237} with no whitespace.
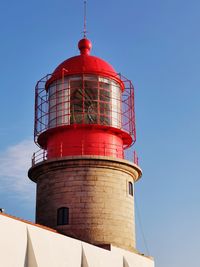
{"x":85,"y":99}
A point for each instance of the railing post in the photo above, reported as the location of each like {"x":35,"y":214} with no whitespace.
{"x":135,"y":157}
{"x":33,"y":159}
{"x":82,"y":148}
{"x":61,"y":149}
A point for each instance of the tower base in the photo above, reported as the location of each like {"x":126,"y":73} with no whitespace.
{"x":95,"y":190}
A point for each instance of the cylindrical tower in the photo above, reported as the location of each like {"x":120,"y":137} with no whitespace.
{"x":84,"y":120}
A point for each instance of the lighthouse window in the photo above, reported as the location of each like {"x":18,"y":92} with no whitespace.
{"x":76,"y":99}
{"x":91,"y":103}
{"x":63,"y":216}
{"x":105,"y":95}
{"x":58,"y":103}
{"x":130,"y":188}
{"x":105,"y":101}
{"x":95,"y":100}
{"x":91,"y":90}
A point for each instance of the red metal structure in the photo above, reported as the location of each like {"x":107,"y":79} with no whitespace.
{"x":84,"y":108}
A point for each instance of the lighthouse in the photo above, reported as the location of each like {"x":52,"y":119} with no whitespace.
{"x":84,"y":122}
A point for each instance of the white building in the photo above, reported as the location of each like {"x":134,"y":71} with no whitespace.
{"x":24,"y":244}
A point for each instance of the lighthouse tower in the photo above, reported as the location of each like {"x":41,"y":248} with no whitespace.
{"x":84,"y":121}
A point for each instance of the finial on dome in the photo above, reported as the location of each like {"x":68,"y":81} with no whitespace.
{"x":84,"y":46}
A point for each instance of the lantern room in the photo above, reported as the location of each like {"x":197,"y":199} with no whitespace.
{"x":84,"y":108}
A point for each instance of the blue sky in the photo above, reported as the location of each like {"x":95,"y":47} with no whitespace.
{"x":153,"y":43}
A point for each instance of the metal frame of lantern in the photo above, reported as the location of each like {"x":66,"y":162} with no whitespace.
{"x":52,"y":112}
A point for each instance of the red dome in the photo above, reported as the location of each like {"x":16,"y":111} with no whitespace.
{"x":85,"y":63}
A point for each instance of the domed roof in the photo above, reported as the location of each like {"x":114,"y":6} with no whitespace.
{"x":85,"y":63}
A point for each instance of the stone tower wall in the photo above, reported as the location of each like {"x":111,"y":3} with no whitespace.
{"x":95,"y":189}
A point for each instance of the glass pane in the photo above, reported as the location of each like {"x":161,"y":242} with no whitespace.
{"x":105,"y":95}
{"x":58,"y":103}
{"x":91,"y":90}
{"x":90,"y":102}
{"x":76,"y":101}
{"x":116,"y":105}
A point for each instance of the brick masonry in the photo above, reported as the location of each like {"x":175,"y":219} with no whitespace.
{"x":95,"y":189}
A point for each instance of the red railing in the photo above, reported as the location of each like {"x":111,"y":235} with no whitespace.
{"x":135,"y":158}
{"x":103,"y":149}
{"x":41,"y":155}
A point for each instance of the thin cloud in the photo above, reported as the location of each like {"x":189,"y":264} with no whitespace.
{"x":14,"y":164}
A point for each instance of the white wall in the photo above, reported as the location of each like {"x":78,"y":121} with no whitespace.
{"x":26,"y":245}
